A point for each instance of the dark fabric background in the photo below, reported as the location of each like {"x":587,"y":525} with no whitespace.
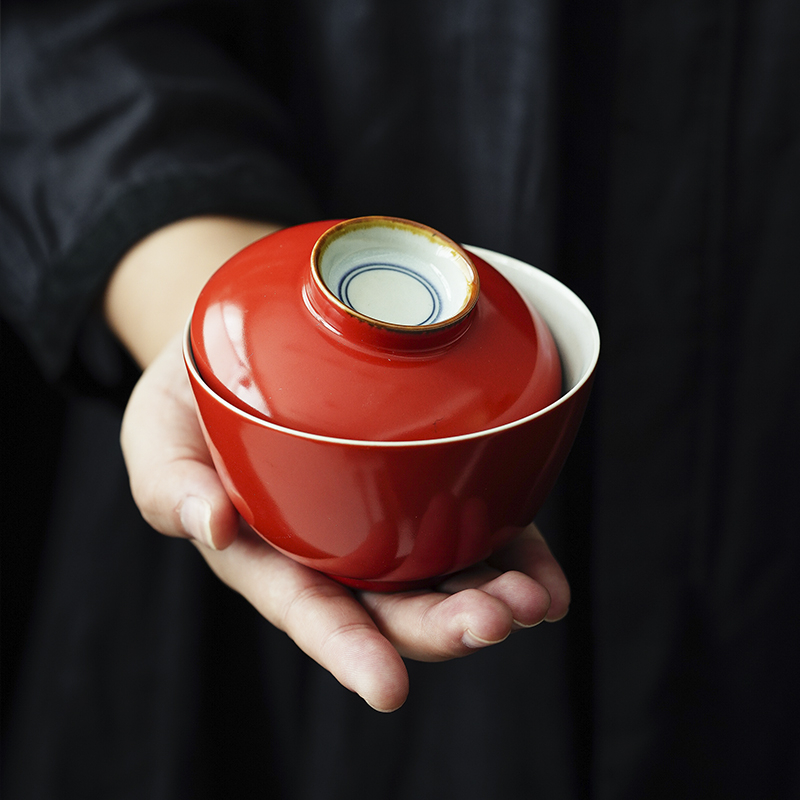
{"x":648,"y":154}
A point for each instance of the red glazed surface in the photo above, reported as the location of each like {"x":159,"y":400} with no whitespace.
{"x":266,"y":340}
{"x":398,"y":515}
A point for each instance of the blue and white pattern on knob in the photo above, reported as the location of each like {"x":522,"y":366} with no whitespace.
{"x":396,"y":274}
{"x":392,"y":293}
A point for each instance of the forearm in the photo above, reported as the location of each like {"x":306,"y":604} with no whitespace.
{"x":151,"y":292}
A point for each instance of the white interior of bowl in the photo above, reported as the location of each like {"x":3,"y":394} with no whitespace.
{"x":570,"y":321}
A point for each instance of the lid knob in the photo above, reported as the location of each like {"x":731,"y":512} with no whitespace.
{"x":402,"y":278}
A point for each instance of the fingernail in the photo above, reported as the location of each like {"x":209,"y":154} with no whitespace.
{"x":195,"y":516}
{"x":518,"y":626}
{"x":557,"y":619}
{"x":472,"y":641}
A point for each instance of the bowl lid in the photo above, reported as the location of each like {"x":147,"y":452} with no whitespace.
{"x":375,"y":329}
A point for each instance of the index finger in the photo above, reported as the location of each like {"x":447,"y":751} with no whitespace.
{"x":321,"y":616}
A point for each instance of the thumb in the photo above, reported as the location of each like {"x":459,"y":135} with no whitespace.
{"x":173,"y":480}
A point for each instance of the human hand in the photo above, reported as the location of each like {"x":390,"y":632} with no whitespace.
{"x":360,"y":637}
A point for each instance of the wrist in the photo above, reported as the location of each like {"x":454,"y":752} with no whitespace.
{"x":153,"y":288}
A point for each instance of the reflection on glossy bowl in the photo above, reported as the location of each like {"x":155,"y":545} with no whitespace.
{"x":401,"y":514}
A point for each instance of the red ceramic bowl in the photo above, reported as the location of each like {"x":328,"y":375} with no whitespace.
{"x":398,"y":514}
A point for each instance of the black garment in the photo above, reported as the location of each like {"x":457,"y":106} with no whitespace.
{"x":646,"y":154}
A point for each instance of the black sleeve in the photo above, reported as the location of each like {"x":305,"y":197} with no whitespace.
{"x":118,"y":117}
